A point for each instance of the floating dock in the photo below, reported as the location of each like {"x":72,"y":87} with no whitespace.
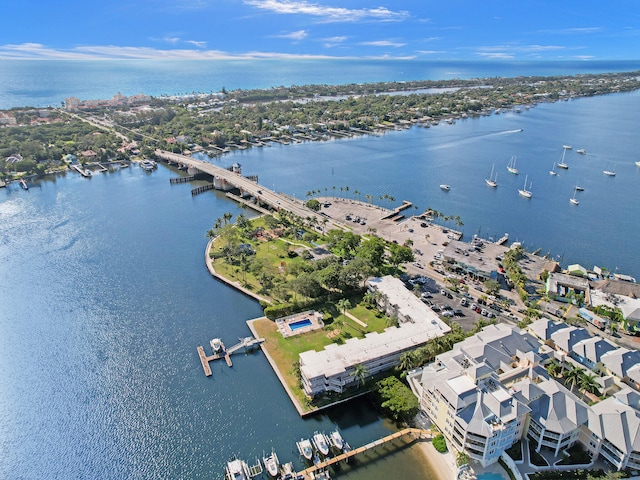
{"x":247,"y":342}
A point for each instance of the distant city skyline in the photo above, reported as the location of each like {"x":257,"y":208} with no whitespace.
{"x":246,"y":29}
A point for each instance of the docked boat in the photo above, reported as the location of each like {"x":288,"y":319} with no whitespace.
{"x":320,"y":441}
{"x":148,"y":165}
{"x":512,"y":166}
{"x":216,"y":345}
{"x":23,"y":184}
{"x":553,"y":170}
{"x":573,"y":199}
{"x":562,"y":164}
{"x":237,"y":470}
{"x":492,"y":181}
{"x":305,"y":448}
{"x":271,"y":463}
{"x":523,"y":191}
{"x":336,"y":441}
{"x":288,"y":472}
{"x":567,"y":147}
{"x":445,"y":187}
{"x":582,"y":151}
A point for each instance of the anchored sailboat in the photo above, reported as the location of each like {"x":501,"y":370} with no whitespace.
{"x":492,"y":181}
{"x":562,"y":164}
{"x":553,"y":170}
{"x":573,"y":199}
{"x":523,"y":191}
{"x":512,"y":166}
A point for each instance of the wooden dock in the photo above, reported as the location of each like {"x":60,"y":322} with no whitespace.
{"x":247,"y":342}
{"x":416,"y":433}
{"x":182,"y":179}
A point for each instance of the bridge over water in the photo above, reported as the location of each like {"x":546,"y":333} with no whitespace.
{"x":228,"y":179}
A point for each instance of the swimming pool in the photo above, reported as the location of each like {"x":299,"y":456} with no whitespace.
{"x":305,"y":322}
{"x":490,"y":476}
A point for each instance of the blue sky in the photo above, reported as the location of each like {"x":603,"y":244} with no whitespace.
{"x":512,"y":30}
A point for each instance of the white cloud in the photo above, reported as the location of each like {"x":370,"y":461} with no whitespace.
{"x":298,"y":35}
{"x":329,"y":14}
{"x":496,"y":55}
{"x":168,"y":39}
{"x":199,"y":44}
{"x":573,"y":31}
{"x":383,"y":43}
{"x":431,"y":52}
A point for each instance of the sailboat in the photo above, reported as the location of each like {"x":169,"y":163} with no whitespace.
{"x":573,"y":199}
{"x":512,"y":166}
{"x":523,"y":191}
{"x":492,"y":181}
{"x":562,"y":164}
{"x":637,"y":164}
{"x":553,"y":170}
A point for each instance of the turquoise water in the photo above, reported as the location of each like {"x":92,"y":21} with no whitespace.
{"x":490,"y":476}
{"x":300,"y":324}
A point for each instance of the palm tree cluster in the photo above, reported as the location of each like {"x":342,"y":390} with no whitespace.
{"x":575,"y":377}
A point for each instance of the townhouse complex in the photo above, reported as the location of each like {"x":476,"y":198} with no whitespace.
{"x":493,"y":388}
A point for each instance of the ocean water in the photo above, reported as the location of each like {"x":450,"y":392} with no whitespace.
{"x":21,"y":81}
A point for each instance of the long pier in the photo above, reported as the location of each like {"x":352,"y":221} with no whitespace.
{"x":246,"y":342}
{"x":415,"y":432}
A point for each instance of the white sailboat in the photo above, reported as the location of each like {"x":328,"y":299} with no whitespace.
{"x":567,"y":147}
{"x":523,"y":191}
{"x":492,"y":181}
{"x":553,"y":170}
{"x":638,"y":164}
{"x":562,"y":164}
{"x":512,"y":166}
{"x":573,"y":199}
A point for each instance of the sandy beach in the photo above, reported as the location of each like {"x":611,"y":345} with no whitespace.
{"x":441,"y":466}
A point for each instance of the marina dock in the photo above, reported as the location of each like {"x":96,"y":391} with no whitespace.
{"x":415,"y":433}
{"x":246,"y":342}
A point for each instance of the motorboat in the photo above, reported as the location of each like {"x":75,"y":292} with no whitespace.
{"x":320,"y":441}
{"x":609,"y":173}
{"x":23,"y":184}
{"x":582,"y":151}
{"x":148,"y":165}
{"x":445,"y":187}
{"x":271,"y":463}
{"x":305,"y":448}
{"x":288,"y":472}
{"x":512,"y":166}
{"x":216,"y":345}
{"x":638,"y":164}
{"x":336,"y":440}
{"x":492,"y":181}
{"x":523,"y":191}
{"x":237,"y":470}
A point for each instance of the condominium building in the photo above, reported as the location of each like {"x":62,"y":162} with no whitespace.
{"x":335,"y":368}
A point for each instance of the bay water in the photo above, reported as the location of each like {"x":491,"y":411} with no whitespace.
{"x":104,"y":295}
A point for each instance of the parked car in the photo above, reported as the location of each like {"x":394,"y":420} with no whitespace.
{"x":464,"y":302}
{"x":457,"y":312}
{"x":447,"y":313}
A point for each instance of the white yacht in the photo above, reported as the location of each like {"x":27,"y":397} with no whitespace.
{"x":237,"y":470}
{"x":582,"y":151}
{"x":553,"y":170}
{"x":567,"y":147}
{"x":271,"y":463}
{"x":305,"y":448}
{"x":216,"y":345}
{"x":320,"y":441}
{"x":512,"y":166}
{"x":562,"y":164}
{"x":336,"y":440}
{"x":445,"y":187}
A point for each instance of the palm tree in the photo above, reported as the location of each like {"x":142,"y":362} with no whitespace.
{"x":407,"y":361}
{"x":361,"y":372}
{"x":552,"y":368}
{"x":589,"y":384}
{"x":343,"y":305}
{"x":573,"y":377}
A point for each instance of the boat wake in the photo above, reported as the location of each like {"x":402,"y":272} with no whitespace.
{"x":473,"y":138}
